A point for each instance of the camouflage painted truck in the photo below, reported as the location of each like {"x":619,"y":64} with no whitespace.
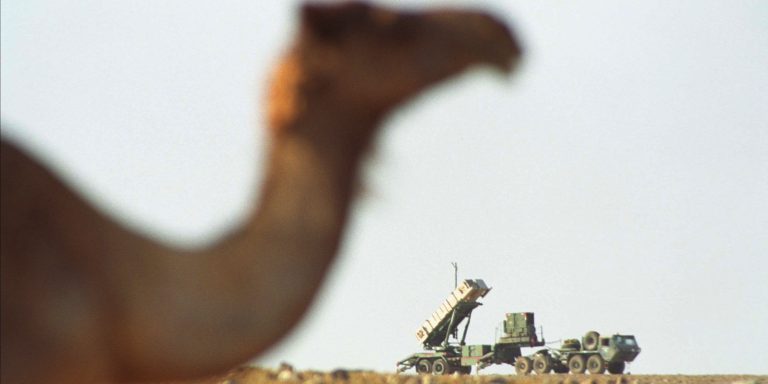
{"x":444,"y":353}
{"x":593,"y":353}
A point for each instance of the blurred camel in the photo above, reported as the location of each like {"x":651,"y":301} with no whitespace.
{"x":86,"y":300}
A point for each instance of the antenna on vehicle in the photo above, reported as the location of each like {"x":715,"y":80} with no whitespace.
{"x":455,"y":274}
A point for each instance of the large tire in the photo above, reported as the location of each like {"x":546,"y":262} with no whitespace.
{"x":576,"y":364}
{"x":541,"y":364}
{"x":465,"y":370}
{"x":523,"y":365}
{"x":440,"y":367}
{"x":596,"y":364}
{"x":424,"y":366}
{"x":616,"y":368}
{"x":591,"y":341}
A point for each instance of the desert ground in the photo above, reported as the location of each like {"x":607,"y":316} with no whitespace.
{"x":252,"y":375}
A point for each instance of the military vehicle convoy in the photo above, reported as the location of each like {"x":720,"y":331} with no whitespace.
{"x":444,"y":353}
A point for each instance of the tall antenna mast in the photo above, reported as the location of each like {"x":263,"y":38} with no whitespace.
{"x":455,"y":274}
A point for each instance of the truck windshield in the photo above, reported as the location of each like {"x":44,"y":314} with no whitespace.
{"x":625,"y":340}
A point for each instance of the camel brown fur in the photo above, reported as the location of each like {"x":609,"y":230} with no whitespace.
{"x":86,"y":300}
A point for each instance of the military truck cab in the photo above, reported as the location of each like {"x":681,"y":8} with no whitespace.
{"x":616,"y":350}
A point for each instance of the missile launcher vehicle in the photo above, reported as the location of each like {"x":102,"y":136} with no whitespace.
{"x":445,"y":353}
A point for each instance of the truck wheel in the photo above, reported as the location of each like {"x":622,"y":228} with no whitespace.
{"x":465,"y":370}
{"x":591,"y":341}
{"x":523,"y":365}
{"x":616,"y":368}
{"x":576,"y":364}
{"x":424,"y":366}
{"x":596,"y":365}
{"x":440,"y":367}
{"x":541,"y":364}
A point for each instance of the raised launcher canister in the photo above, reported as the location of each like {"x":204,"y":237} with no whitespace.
{"x":458,"y":306}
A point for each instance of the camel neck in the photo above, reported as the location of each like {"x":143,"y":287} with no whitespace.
{"x":298,"y":225}
{"x":276,"y":261}
{"x":313,"y":164}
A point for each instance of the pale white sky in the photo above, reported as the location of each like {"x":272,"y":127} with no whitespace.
{"x":618,"y":182}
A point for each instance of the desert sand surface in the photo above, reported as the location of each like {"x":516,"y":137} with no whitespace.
{"x":251,"y":375}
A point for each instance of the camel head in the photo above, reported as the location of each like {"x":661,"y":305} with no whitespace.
{"x":370,"y":59}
